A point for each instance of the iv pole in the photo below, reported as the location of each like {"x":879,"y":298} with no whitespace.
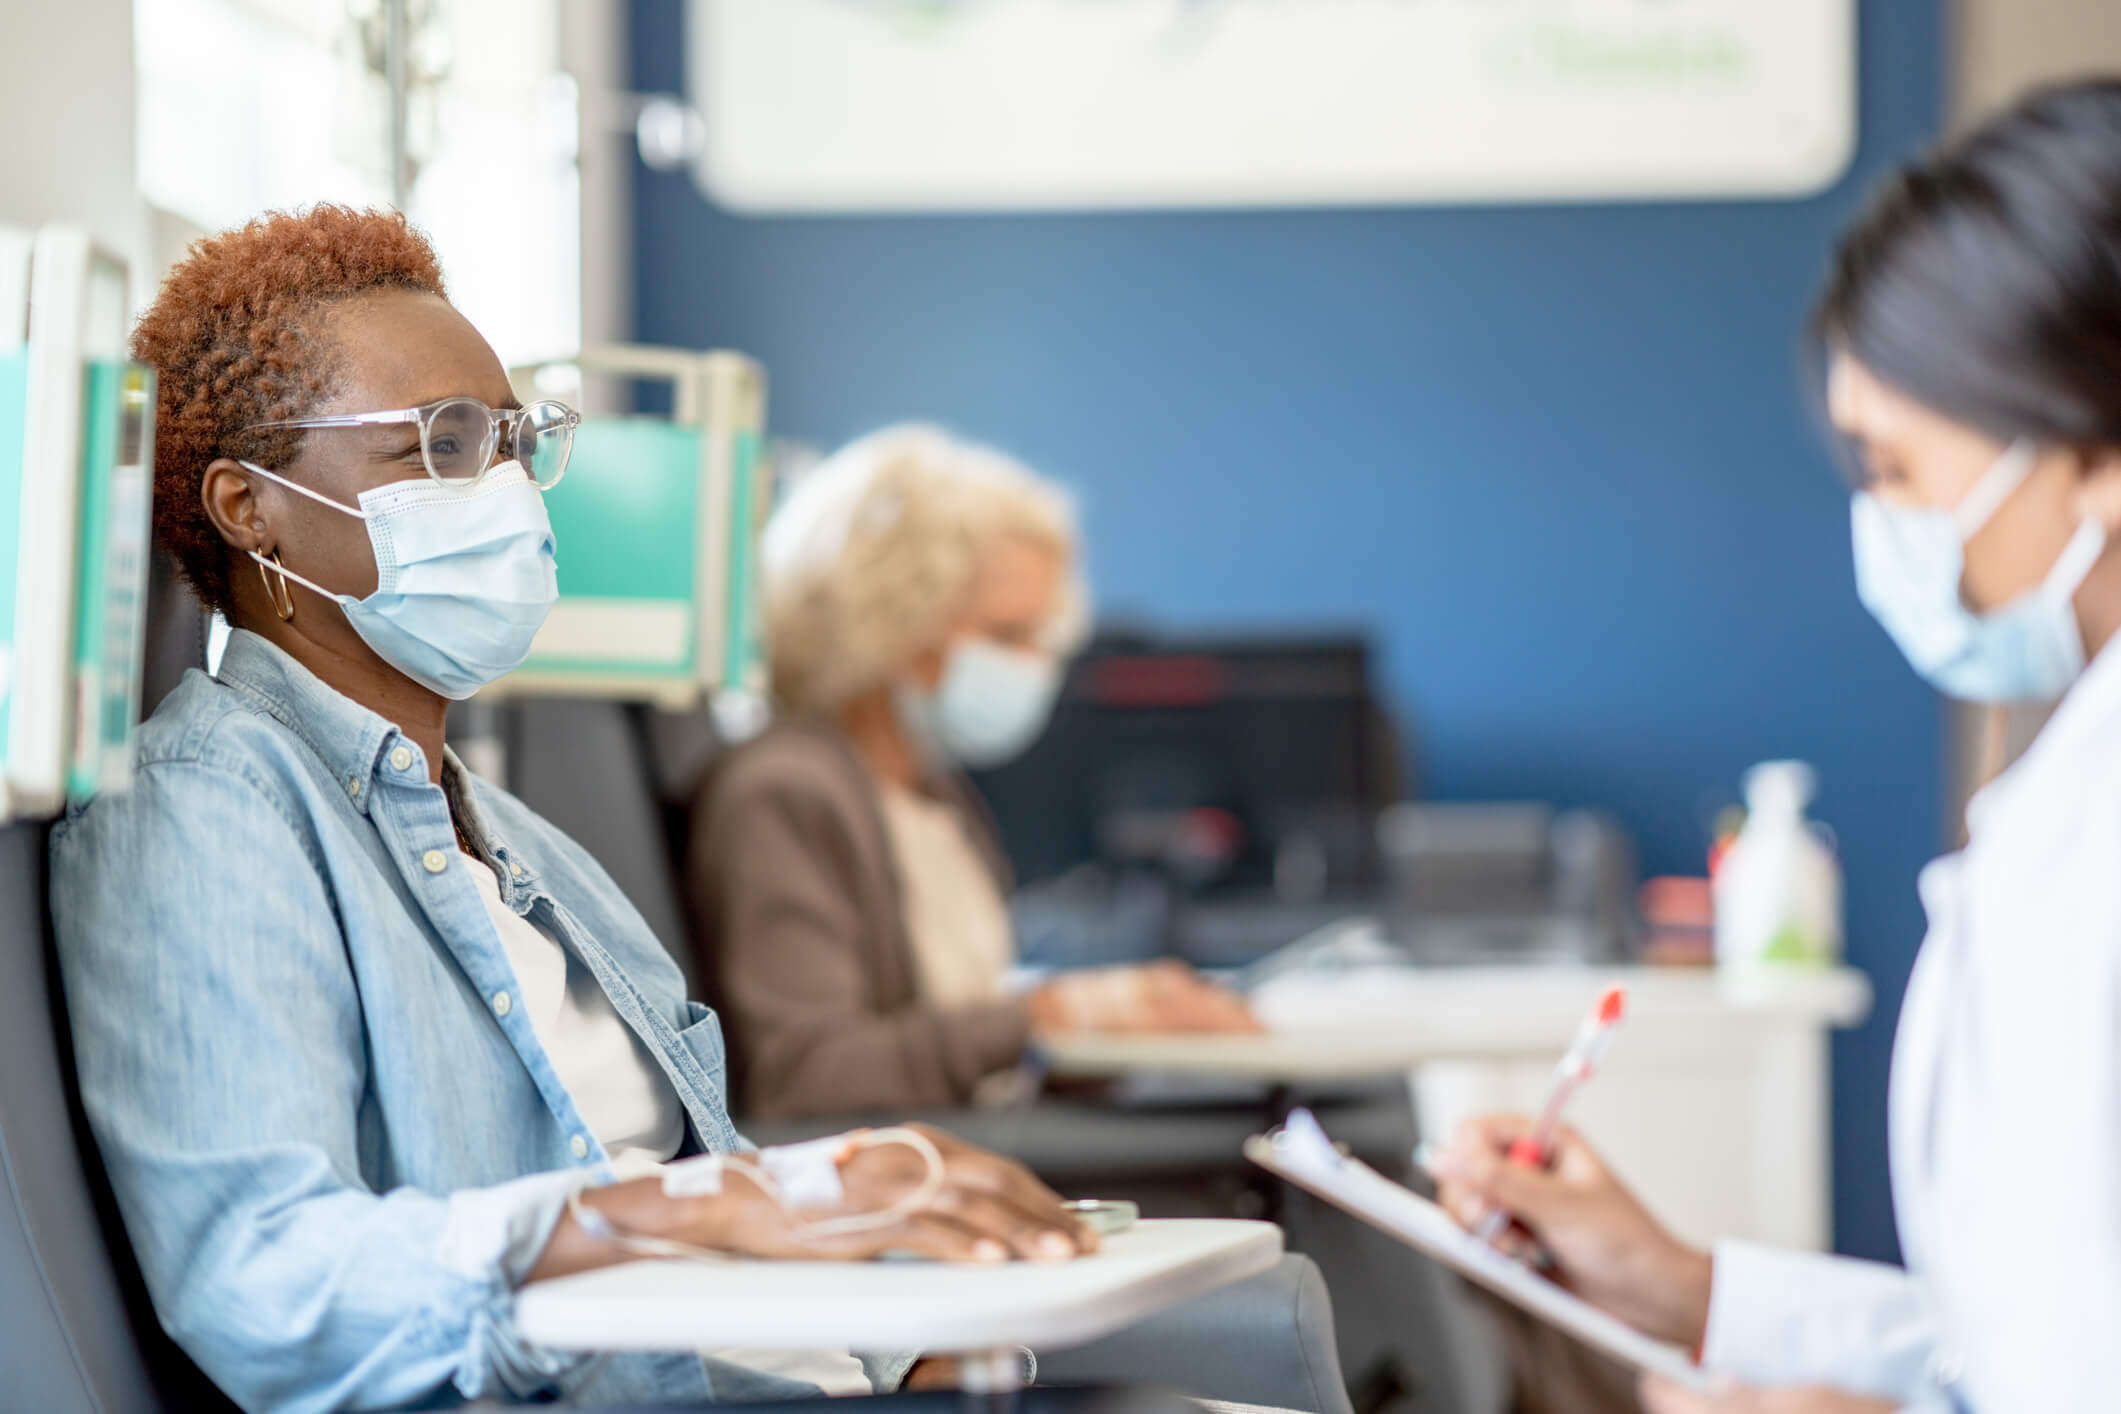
{"x":400,"y":101}
{"x":477,"y":737}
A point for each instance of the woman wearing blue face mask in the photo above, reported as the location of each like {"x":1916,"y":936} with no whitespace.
{"x":1973,"y":329}
{"x":365,"y":1043}
{"x":921,"y":596}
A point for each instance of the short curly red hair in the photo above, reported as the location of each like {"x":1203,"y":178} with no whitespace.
{"x":233,"y":340}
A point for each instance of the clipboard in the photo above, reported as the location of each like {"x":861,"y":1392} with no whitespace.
{"x":1301,"y":1153}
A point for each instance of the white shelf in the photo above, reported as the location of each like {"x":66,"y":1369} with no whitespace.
{"x":1351,"y":1025}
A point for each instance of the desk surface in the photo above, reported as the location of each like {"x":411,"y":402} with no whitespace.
{"x":930,"y":1306}
{"x":1349,"y":1025}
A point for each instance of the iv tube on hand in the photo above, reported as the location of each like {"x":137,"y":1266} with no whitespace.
{"x":704,"y":1175}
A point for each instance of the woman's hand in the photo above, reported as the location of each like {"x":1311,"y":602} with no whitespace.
{"x":1159,"y":997}
{"x":1664,"y":1397}
{"x":1606,"y":1246}
{"x":1180,"y":999}
{"x":988,"y":1209}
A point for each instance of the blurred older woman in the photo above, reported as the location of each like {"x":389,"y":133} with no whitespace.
{"x":921,"y":595}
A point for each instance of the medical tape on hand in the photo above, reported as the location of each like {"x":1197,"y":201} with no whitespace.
{"x":794,"y":1176}
{"x":696,"y":1177}
{"x":808,"y":1175}
{"x":920,"y":1197}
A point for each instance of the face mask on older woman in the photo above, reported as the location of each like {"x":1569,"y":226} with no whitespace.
{"x":991,"y":704}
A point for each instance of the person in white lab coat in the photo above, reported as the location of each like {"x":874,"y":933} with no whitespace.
{"x":1972,"y":327}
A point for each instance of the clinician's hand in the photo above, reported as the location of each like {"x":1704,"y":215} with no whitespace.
{"x":1606,"y":1246}
{"x":1664,"y":1397}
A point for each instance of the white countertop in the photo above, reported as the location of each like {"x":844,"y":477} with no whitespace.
{"x":683,"y":1305}
{"x":1347,"y":1025}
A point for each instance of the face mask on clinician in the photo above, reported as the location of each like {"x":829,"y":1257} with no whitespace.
{"x":1909,"y":563}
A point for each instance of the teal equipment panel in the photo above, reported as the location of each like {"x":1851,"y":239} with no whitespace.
{"x":74,"y":440}
{"x":656,"y":523}
{"x":743,"y":631}
{"x":110,"y":624}
{"x":625,"y":519}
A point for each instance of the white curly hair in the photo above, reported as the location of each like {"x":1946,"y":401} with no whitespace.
{"x":869,"y":560}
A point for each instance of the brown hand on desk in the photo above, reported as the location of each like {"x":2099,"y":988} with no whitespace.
{"x":1606,"y":1245}
{"x":984,"y":1209}
{"x":988,"y":1209}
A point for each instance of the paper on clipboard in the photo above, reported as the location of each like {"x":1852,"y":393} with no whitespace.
{"x":1301,"y":1153}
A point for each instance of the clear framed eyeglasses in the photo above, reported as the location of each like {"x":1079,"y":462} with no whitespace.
{"x":459,"y":436}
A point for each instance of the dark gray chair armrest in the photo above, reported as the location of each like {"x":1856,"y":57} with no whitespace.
{"x":1065,"y":1141}
{"x":1100,"y":1400}
{"x":1267,"y":1341}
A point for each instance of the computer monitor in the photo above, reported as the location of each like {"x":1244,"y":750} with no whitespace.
{"x":1233,"y":764}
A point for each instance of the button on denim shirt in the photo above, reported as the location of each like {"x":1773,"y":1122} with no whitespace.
{"x":337,"y":1148}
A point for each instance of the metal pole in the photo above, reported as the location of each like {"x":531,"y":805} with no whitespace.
{"x":394,"y":75}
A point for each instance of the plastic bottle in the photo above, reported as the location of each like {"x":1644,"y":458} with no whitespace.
{"x":1778,"y":885}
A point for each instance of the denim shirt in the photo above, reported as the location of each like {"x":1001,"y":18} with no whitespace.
{"x":336,"y":1142}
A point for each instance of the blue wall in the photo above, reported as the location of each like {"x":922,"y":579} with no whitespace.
{"x":1558,"y":458}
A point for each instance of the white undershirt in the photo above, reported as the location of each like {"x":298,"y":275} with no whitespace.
{"x":623,"y":1096}
{"x":955,"y":916}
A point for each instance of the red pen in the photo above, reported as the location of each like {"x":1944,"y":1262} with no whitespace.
{"x":1536,"y":1150}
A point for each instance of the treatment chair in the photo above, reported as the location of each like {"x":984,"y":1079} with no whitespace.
{"x":76,"y":1331}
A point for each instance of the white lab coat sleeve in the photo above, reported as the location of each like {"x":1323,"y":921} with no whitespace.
{"x":2023,"y":1197}
{"x":1783,"y":1318}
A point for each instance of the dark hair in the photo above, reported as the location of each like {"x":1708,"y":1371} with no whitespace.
{"x":232,"y":339}
{"x":1984,"y":281}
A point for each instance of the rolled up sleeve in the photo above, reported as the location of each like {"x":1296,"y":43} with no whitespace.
{"x":220,"y":1043}
{"x":490,"y":1239}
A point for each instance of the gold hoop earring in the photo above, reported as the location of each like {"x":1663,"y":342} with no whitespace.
{"x":283,"y":602}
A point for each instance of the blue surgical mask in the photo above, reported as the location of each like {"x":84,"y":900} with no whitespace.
{"x":991,"y":705}
{"x":465,"y":575}
{"x":1909,"y":563}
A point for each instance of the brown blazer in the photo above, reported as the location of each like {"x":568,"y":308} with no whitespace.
{"x":797,"y":911}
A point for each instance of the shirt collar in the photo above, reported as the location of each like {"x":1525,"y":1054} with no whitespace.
{"x":344,"y":735}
